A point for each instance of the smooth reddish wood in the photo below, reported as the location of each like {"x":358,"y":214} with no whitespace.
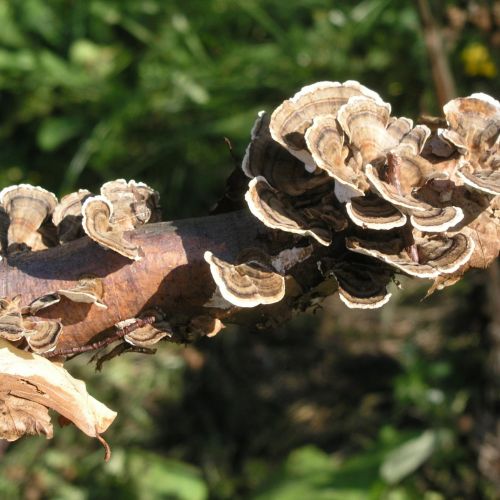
{"x":172,"y":274}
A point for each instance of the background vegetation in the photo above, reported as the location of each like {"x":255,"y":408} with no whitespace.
{"x":336,"y":405}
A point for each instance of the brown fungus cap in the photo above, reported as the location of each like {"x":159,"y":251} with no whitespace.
{"x":248,"y":284}
{"x":89,"y":290}
{"x":147,"y":335}
{"x":325,"y":141}
{"x":293,"y":117}
{"x":436,"y":254}
{"x":266,"y":158}
{"x":373,"y":212}
{"x":474,"y":123}
{"x":67,"y":216}
{"x":11,"y":321}
{"x":365,"y":121}
{"x":42,"y":334}
{"x":97,"y":213}
{"x":362,"y":282}
{"x":276,"y":211}
{"x":134,"y":203}
{"x":28,"y":207}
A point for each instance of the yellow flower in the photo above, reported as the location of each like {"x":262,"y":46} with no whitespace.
{"x":477,"y":61}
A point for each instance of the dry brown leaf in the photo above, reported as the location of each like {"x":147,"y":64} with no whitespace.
{"x":29,"y":384}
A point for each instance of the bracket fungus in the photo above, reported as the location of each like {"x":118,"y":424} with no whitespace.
{"x":248,"y":284}
{"x":409,"y":200}
{"x":67,"y":216}
{"x":120,"y":207}
{"x":28,"y":207}
{"x":349,"y":195}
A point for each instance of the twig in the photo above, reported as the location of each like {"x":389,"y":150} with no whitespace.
{"x":139,"y":323}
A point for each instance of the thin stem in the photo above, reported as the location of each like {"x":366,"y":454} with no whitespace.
{"x":139,"y":323}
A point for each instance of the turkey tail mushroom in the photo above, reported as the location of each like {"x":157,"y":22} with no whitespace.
{"x":248,"y":284}
{"x":27,"y":207}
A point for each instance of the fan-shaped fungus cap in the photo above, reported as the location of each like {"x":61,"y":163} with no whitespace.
{"x":414,"y":141}
{"x":325,"y":141}
{"x":364,"y":121}
{"x":276,"y":211}
{"x":294,"y":116}
{"x":437,"y":254}
{"x":206,"y":325}
{"x":89,"y":290}
{"x":474,"y":123}
{"x":246,"y":285}
{"x":11,"y":321}
{"x":97,"y":212}
{"x":43,"y":302}
{"x":372,"y":212}
{"x":362,"y":282}
{"x":42,"y":334}
{"x":399,"y":127}
{"x":27,"y":206}
{"x":133,"y":203}
{"x":478,"y":176}
{"x":405,"y":174}
{"x":67,"y":216}
{"x":147,"y":335}
{"x":266,"y":158}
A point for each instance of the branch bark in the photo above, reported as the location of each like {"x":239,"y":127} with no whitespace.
{"x":172,"y":275}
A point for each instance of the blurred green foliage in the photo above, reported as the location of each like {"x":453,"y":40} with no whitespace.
{"x":93,"y":90}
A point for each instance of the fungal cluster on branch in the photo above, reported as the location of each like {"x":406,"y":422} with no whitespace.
{"x":32,"y":219}
{"x":382,"y":195}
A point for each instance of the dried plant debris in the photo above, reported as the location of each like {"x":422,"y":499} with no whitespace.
{"x":30,"y":385}
{"x":333,"y":166}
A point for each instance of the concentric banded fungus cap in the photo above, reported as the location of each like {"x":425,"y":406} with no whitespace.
{"x":414,"y":141}
{"x":372,"y":212}
{"x":42,"y":334}
{"x":365,"y":122}
{"x":43,"y":302}
{"x":276,"y":211}
{"x":133,"y":203}
{"x":325,"y":141}
{"x":248,"y":284}
{"x":266,"y":158}
{"x":474,"y":123}
{"x":362,"y":282}
{"x":67,"y":216}
{"x":89,"y":290}
{"x":294,"y":116}
{"x":147,"y":335}
{"x":437,"y":254}
{"x":97,"y":212}
{"x":27,"y":206}
{"x":11,"y":321}
{"x":483,"y":177}
{"x":399,"y":127}
{"x":405,"y":184}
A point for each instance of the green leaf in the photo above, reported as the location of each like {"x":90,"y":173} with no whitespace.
{"x":55,"y":131}
{"x":408,"y":457}
{"x":159,"y":477}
